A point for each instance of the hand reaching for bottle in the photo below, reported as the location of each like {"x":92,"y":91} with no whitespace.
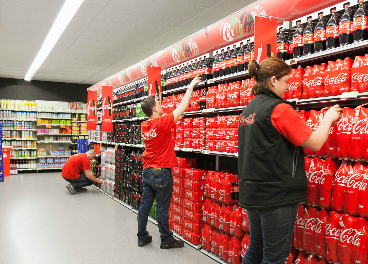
{"x":334,"y":113}
{"x":195,"y":81}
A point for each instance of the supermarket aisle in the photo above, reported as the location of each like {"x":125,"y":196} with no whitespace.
{"x":42,"y":223}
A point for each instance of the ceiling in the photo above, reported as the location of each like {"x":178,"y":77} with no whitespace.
{"x":103,"y":38}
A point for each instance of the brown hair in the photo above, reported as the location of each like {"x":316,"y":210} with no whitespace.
{"x":148,"y":104}
{"x":264,"y":71}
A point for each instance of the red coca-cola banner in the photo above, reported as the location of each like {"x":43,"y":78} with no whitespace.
{"x":107,"y":106}
{"x":92,"y":110}
{"x":154,"y":82}
{"x":265,"y":40}
{"x":234,"y":28}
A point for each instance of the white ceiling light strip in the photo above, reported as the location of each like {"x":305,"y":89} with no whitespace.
{"x":66,"y":14}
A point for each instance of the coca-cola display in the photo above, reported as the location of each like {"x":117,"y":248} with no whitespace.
{"x":128,"y":176}
{"x":332,"y":32}
{"x":308,"y":38}
{"x":360,"y":23}
{"x":346,"y":27}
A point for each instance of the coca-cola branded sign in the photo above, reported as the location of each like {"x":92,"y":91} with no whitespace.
{"x":107,"y":107}
{"x":154,"y":82}
{"x":92,"y":110}
{"x":265,"y":41}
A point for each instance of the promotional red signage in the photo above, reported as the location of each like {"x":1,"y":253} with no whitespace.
{"x":229,"y":30}
{"x":154,"y":82}
{"x":107,"y":125}
{"x":92,"y":110}
{"x":265,"y":38}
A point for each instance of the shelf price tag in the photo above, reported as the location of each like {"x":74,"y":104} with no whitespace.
{"x":211,"y":81}
{"x":176,"y":148}
{"x":205,"y":151}
{"x":293,"y":100}
{"x":48,"y":126}
{"x":209,"y":110}
{"x":187,"y":149}
{"x":349,"y":95}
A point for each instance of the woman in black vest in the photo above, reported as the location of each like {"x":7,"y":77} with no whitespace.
{"x":272,"y":179}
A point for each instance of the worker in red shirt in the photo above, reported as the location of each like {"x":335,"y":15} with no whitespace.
{"x":158,"y":159}
{"x":77,"y":172}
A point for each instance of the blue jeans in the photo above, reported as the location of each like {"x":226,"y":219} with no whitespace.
{"x":271,"y":232}
{"x":157,"y":184}
{"x":80,"y":182}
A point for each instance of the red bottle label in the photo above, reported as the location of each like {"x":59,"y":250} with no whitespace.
{"x":332,"y":31}
{"x":346,"y":27}
{"x":281,"y":47}
{"x":240,"y":59}
{"x":320,"y":35}
{"x":215,"y":67}
{"x":290,"y":48}
{"x":234,"y":61}
{"x":298,"y":41}
{"x":247,"y":57}
{"x":308,"y":38}
{"x":360,"y":23}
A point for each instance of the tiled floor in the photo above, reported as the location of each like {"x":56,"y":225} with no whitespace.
{"x":41,"y":223}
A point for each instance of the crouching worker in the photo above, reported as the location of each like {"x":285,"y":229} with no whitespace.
{"x":77,"y":172}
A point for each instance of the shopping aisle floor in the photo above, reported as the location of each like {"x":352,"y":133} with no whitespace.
{"x":42,"y":223}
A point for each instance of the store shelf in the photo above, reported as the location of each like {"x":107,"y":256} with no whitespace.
{"x":184,"y":88}
{"x":42,"y":134}
{"x":14,"y":119}
{"x":130,"y":120}
{"x":329,"y":52}
{"x":61,"y":112}
{"x":52,"y":125}
{"x":19,"y":139}
{"x":130,"y":101}
{"x":51,"y":156}
{"x":230,"y":77}
{"x":78,"y":121}
{"x":20,"y":129}
{"x":56,"y":142}
{"x":50,"y":118}
{"x":49,"y":169}
{"x":23,"y":148}
{"x":207,"y":152}
{"x":31,"y":158}
{"x":18,"y":110}
{"x":27,"y":169}
{"x":330,"y":99}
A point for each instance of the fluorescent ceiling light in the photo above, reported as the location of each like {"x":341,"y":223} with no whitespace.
{"x":66,"y":14}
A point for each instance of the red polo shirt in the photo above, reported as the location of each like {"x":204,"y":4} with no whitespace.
{"x":75,"y":165}
{"x":159,"y":146}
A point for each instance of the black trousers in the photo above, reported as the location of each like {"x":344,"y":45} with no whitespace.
{"x":80,"y":182}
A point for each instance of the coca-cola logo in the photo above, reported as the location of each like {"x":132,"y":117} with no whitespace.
{"x":360,"y":23}
{"x":320,"y":35}
{"x":300,"y":222}
{"x":359,"y":77}
{"x":355,"y":182}
{"x":332,"y":31}
{"x":312,"y":125}
{"x":294,"y":86}
{"x":342,"y":77}
{"x":313,"y":83}
{"x":332,"y":233}
{"x":297,"y":41}
{"x":308,"y":38}
{"x":226,"y":32}
{"x":350,"y":236}
{"x":314,"y":177}
{"x":359,"y":127}
{"x":343,"y":126}
{"x":341,"y":180}
{"x":310,"y":224}
{"x":345,"y":27}
{"x":149,"y":135}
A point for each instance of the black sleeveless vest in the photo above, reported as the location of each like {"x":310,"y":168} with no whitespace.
{"x":271,"y":169}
